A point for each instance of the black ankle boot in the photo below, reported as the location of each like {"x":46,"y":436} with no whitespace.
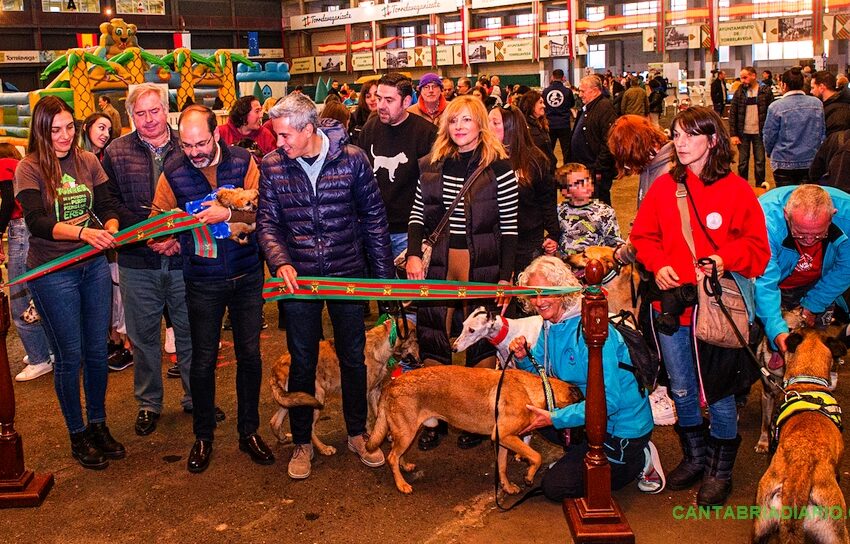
{"x":101,"y":437}
{"x":84,"y":451}
{"x":431,"y":436}
{"x":717,"y":483}
{"x":692,"y":467}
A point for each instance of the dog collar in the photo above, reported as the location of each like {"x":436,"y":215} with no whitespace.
{"x":503,"y":332}
{"x":814,"y":380}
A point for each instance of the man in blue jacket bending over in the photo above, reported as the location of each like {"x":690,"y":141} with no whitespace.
{"x":321,"y":214}
{"x":809,"y":256}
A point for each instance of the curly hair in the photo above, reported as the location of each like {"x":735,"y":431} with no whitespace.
{"x":633,"y":141}
{"x":556,"y":272}
{"x":240,"y":111}
{"x":697,"y":121}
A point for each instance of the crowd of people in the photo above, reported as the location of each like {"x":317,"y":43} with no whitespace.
{"x":344,"y":190}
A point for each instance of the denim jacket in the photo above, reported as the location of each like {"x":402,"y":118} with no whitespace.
{"x":793,"y":131}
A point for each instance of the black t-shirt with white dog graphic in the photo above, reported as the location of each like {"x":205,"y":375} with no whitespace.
{"x":394,"y":152}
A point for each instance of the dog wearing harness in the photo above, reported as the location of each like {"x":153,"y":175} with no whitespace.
{"x":803,"y":472}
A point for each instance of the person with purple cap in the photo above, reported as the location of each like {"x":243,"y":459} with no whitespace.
{"x":431,"y":102}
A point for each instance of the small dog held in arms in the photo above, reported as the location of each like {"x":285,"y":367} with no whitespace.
{"x":803,"y":474}
{"x":378,"y":352}
{"x":244,"y":200}
{"x":465,"y":398}
{"x":622,"y":280}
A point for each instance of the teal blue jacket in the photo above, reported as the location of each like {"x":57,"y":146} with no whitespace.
{"x":835,"y":278}
{"x":561,"y":349}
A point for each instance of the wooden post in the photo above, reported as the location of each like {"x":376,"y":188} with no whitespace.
{"x":18,"y":486}
{"x":596,"y":517}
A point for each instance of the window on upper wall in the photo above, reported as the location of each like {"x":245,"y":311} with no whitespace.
{"x":558,"y":16}
{"x":595,"y":13}
{"x":78,"y":6}
{"x":640,"y":8}
{"x":525,"y":19}
{"x":452,"y":27}
{"x":147,"y":7}
{"x":724,"y":8}
{"x":783,"y":50}
{"x":678,"y":6}
{"x":493,"y":22}
{"x":408,"y":37}
{"x":723,"y":53}
{"x":596,"y":56}
{"x":12,"y":5}
{"x":774,"y":8}
{"x":331,"y":8}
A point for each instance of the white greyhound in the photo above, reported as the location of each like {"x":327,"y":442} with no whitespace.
{"x":498,"y":330}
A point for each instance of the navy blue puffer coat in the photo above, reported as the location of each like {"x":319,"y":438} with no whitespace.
{"x":340,"y":229}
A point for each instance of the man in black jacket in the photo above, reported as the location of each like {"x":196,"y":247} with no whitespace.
{"x":746,"y":123}
{"x":835,"y":112}
{"x":590,"y":137}
{"x":718,"y":92}
{"x":559,"y":101}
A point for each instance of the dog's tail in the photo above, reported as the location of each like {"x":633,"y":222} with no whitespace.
{"x":379,"y":431}
{"x":287,"y":400}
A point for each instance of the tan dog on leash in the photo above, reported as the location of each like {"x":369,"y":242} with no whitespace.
{"x":620,"y":286}
{"x":466,"y":399}
{"x":803,"y":472}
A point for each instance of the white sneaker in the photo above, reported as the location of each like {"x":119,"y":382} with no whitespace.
{"x":651,"y":478}
{"x":663,"y":409}
{"x":31,"y":372}
{"x":169,"y":341}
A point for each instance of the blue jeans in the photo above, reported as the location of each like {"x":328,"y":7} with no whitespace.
{"x":74,"y":305}
{"x":207,"y":300}
{"x":678,"y":354}
{"x":32,"y":334}
{"x":146,"y":293}
{"x":760,"y":168}
{"x":398,"y":243}
{"x":303,"y":332}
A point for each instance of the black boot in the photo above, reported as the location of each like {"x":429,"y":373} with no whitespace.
{"x":717,"y":483}
{"x":100,"y":437}
{"x":431,"y":436}
{"x":84,"y":451}
{"x":690,"y":470}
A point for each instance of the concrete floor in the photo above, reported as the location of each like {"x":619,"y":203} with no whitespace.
{"x":150,"y":497}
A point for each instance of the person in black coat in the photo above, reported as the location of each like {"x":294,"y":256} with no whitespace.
{"x":718,"y":92}
{"x":532,"y":106}
{"x":589,"y":143}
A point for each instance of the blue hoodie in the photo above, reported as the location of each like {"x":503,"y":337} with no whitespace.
{"x":629,"y":415}
{"x":835,"y":277}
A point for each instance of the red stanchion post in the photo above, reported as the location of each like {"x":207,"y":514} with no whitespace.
{"x":596,"y":517}
{"x":19,"y":487}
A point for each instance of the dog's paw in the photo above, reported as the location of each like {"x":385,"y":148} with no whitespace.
{"x":509,"y":488}
{"x":326,"y":450}
{"x":762,"y":446}
{"x":404,"y":487}
{"x":407,"y":467}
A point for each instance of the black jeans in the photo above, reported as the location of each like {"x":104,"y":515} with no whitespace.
{"x":303,"y":332}
{"x":760,"y":169}
{"x":561,"y":136}
{"x":566,"y":477}
{"x":783,"y":177}
{"x":207,"y":301}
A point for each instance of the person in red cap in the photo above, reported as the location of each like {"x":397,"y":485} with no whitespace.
{"x":432,"y":103}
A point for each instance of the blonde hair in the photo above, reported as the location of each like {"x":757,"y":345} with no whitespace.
{"x":556,"y":272}
{"x":490,"y":147}
{"x":812,"y":200}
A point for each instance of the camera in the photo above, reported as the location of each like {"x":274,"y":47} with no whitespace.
{"x":673,"y":303}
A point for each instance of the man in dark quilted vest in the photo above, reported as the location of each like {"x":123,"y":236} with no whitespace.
{"x":150,"y":280}
{"x":232,"y":279}
{"x":321,"y":214}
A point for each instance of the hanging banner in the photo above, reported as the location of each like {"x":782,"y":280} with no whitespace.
{"x":331,"y":18}
{"x":555,"y":46}
{"x":842,"y":27}
{"x":795,"y":29}
{"x":706,"y":36}
{"x":581,"y":44}
{"x":481,"y":4}
{"x":829,"y":27}
{"x":481,"y":52}
{"x":367,"y":14}
{"x":22,"y":57}
{"x":506,"y":50}
{"x":421,"y":56}
{"x":445,"y":55}
{"x":362,"y":61}
{"x":740,"y":33}
{"x":682,"y":37}
{"x":330,"y":63}
{"x":303,"y":65}
{"x":649,"y":39}
{"x":394,"y":59}
{"x":413,"y":8}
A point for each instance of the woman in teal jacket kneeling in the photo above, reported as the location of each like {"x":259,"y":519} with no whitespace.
{"x":561,"y":351}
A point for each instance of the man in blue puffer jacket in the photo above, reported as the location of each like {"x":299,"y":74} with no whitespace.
{"x":809,"y":263}
{"x":321,"y":214}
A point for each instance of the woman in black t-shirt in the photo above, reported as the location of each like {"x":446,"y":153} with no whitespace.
{"x":62,"y":190}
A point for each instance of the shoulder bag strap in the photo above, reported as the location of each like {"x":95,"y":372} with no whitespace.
{"x":441,"y":226}
{"x":682,"y":204}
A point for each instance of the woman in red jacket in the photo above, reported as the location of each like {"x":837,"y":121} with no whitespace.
{"x":728,"y":227}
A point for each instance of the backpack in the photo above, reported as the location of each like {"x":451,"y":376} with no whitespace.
{"x":645,"y":362}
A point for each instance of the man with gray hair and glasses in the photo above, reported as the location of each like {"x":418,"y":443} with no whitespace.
{"x":809,"y":263}
{"x":321,"y":214}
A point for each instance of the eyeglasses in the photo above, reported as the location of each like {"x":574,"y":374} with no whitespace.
{"x":808,"y":237}
{"x":198,"y":146}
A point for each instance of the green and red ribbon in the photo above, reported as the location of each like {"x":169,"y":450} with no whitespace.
{"x":371,"y":289}
{"x":165,"y":224}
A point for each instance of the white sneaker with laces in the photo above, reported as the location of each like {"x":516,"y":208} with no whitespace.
{"x":651,"y":479}
{"x":663,"y":409}
{"x":169,"y":341}
{"x":31,"y":372}
{"x":357,"y":444}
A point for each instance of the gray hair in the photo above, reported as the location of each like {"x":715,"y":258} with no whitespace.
{"x":556,"y":272}
{"x":812,"y":200}
{"x":298,"y":109}
{"x":592,"y":80}
{"x":143,"y":89}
